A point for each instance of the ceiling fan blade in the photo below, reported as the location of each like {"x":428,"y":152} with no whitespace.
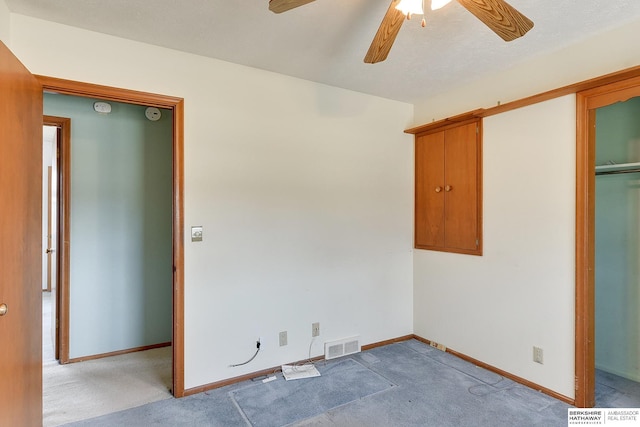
{"x":279,"y":6}
{"x":502,"y":18}
{"x":387,"y":32}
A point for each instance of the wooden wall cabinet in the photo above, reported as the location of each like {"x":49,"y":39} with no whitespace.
{"x":448,"y":188}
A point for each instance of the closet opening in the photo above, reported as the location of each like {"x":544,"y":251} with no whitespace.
{"x":608,"y":245}
{"x":617,"y":253}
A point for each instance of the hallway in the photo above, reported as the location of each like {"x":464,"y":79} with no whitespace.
{"x":82,"y":390}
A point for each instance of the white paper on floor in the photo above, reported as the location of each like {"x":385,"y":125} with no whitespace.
{"x":296,"y":372}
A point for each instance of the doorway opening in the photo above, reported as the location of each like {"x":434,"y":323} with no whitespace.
{"x":617,"y":251}
{"x":176,"y":106}
{"x":588,"y":103}
{"x":56,"y":151}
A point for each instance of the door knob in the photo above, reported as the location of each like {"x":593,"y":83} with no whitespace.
{"x":50,"y":250}
{"x":3,"y":309}
{"x":438,"y":189}
{"x":448,"y":188}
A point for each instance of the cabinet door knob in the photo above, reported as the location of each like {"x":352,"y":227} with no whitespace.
{"x":438,"y":189}
{"x":448,"y":188}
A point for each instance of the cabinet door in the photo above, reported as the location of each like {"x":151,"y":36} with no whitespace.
{"x":461,"y":188}
{"x":429,"y":197}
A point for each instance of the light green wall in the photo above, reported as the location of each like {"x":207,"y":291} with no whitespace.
{"x":121,"y":254}
{"x":618,"y":242}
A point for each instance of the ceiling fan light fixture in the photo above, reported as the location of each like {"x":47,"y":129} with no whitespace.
{"x":437,"y":4}
{"x":410,"y":7}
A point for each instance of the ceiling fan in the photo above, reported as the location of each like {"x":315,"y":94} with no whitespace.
{"x":502,"y":18}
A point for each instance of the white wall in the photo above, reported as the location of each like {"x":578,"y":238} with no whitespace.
{"x":304,"y":191}
{"x":520,"y":293}
{"x":4,"y":23}
{"x":48,"y":148}
{"x":604,"y":53}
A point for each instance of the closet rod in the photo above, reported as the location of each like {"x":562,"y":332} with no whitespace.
{"x":614,"y":172}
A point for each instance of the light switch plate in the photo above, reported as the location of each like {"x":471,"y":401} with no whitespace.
{"x":196,"y":233}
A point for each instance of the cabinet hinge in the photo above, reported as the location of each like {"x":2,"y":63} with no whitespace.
{"x":477,"y":242}
{"x":477,"y":129}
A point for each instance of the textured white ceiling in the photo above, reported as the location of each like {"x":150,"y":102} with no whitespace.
{"x":325,"y":41}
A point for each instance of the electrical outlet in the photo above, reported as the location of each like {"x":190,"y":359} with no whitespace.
{"x":537,"y":355}
{"x":440,"y":347}
{"x":315,"y":329}
{"x":283,"y":338}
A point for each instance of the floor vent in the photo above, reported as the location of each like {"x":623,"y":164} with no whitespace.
{"x":341,"y":347}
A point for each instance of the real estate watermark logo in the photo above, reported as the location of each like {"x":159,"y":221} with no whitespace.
{"x":604,"y":416}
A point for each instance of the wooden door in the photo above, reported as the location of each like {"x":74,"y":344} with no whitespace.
{"x":429,"y":197}
{"x":461,"y":189}
{"x":20,"y":244}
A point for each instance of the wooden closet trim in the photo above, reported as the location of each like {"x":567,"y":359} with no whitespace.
{"x":447,"y":123}
{"x":618,"y":76}
{"x":587,"y":103}
{"x":89,"y":90}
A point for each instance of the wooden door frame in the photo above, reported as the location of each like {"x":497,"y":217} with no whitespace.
{"x":69,"y":87}
{"x":587,"y":102}
{"x":62,"y":242}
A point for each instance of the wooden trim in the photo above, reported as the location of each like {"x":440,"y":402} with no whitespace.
{"x":587,"y":102}
{"x":69,"y":87}
{"x":475,"y":252}
{"x":505,"y":374}
{"x":108,"y":93}
{"x":64,"y":230}
{"x":618,"y":76}
{"x":387,"y":342}
{"x":584,"y":344}
{"x":447,"y":123}
{"x":178,"y":249}
{"x":480,"y":185}
{"x":119,"y":352}
{"x":611,"y":93}
{"x":270,"y":371}
{"x":584,"y":85}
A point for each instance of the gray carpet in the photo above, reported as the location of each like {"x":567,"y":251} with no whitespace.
{"x":613,"y":391}
{"x":279,"y":403}
{"x":413,"y":385}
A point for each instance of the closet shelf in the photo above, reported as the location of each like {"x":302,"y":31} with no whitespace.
{"x":619,"y":168}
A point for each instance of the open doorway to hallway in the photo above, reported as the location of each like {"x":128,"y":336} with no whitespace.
{"x":50,"y":213}
{"x":116,"y":300}
{"x":79,"y":391}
